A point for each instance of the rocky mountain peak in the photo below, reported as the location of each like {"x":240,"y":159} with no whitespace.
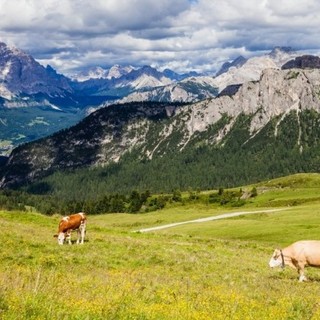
{"x":21,"y":73}
{"x":171,"y":74}
{"x":241,"y":70}
{"x":144,"y":77}
{"x":237,"y":62}
{"x":278,"y":50}
{"x":148,"y":70}
{"x":118,"y":71}
{"x":10,"y":50}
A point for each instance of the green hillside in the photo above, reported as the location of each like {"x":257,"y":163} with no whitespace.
{"x":209,"y":270}
{"x":235,"y":161}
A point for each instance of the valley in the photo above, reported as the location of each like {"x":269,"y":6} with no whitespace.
{"x":26,"y":124}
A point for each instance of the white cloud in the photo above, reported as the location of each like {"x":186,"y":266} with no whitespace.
{"x":199,"y":35}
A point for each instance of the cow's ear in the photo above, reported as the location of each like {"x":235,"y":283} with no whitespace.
{"x":55,"y":236}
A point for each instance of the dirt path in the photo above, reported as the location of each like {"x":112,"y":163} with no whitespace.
{"x":221,"y":216}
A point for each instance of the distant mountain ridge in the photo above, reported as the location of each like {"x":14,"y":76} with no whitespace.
{"x":115,"y":72}
{"x":186,"y":90}
{"x":52,"y":97}
{"x":24,"y":82}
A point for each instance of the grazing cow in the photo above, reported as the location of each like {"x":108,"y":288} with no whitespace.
{"x":67,"y":224}
{"x":298,"y":255}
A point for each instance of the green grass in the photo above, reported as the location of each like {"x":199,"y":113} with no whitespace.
{"x":38,"y":120}
{"x":278,"y":228}
{"x":212,"y":270}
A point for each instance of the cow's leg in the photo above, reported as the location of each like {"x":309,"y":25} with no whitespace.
{"x":78,"y":235}
{"x":68,"y":236}
{"x":302,"y":277}
{"x":81,"y":232}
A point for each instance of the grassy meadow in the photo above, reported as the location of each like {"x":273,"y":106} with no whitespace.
{"x":212,"y":270}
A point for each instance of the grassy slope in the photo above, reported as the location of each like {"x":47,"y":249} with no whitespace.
{"x":215,"y":270}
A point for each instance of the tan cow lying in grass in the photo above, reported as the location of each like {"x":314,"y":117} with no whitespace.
{"x":67,"y":224}
{"x":298,"y":255}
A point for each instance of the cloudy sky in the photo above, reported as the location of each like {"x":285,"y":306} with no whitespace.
{"x":180,"y":34}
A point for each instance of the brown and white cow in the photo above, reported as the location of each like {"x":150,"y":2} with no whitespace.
{"x":298,"y":255}
{"x":67,"y":224}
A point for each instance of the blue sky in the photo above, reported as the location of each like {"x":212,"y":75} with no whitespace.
{"x":182,"y":35}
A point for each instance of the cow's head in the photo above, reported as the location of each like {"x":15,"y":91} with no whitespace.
{"x":277,"y":259}
{"x":61,"y":237}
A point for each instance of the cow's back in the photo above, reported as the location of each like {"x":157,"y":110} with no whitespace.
{"x":71,"y":222}
{"x":308,"y":250}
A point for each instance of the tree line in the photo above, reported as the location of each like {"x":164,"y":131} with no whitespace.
{"x":135,"y":202}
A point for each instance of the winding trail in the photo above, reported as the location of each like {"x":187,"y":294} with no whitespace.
{"x":221,"y":216}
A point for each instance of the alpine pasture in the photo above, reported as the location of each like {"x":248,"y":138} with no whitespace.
{"x":210,"y":270}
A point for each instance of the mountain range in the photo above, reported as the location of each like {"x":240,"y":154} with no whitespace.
{"x":265,"y":128}
{"x":24,"y":82}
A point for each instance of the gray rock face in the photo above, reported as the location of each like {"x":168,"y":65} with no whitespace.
{"x":21,"y":74}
